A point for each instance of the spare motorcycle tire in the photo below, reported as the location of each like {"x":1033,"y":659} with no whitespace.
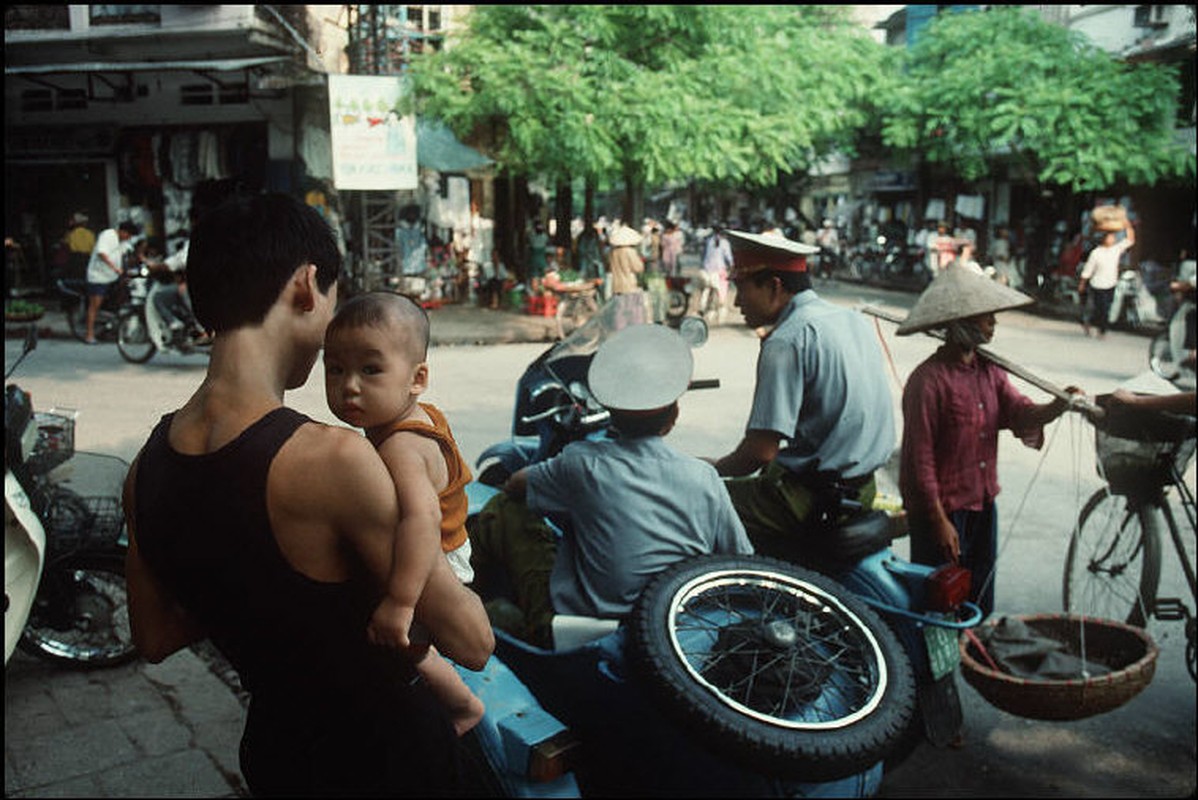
{"x":781,"y":668}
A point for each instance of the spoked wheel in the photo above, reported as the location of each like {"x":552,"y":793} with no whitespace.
{"x":677,"y":304}
{"x":133,"y":338}
{"x":81,"y":613}
{"x":1113,"y":566}
{"x":778,"y":666}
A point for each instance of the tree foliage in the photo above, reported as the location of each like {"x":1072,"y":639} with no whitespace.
{"x":1005,"y":81}
{"x":656,"y":93}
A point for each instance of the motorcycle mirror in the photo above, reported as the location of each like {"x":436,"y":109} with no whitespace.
{"x":28,"y":347}
{"x":693,"y":331}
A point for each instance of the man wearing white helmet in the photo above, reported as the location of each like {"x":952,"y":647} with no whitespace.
{"x":636,"y":505}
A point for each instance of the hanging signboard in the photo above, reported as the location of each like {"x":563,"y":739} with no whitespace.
{"x":374,"y":149}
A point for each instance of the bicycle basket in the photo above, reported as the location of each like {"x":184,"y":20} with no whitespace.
{"x":55,"y":441}
{"x":1135,"y":451}
{"x":1130,"y":467}
{"x":74,"y":522}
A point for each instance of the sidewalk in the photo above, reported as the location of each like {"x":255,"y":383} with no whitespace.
{"x":451,"y":325}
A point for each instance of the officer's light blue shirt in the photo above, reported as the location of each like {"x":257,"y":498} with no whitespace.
{"x":821,"y":384}
{"x":636,"y":506}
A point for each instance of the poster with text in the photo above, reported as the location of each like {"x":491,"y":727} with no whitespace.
{"x":373,"y":147}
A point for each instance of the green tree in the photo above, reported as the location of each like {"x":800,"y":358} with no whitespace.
{"x":1004,"y":83}
{"x":650,"y":94}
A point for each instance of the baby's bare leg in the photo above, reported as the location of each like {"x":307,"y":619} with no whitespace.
{"x":465,"y":709}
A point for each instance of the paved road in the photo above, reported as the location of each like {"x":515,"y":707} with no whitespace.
{"x":172,"y":729}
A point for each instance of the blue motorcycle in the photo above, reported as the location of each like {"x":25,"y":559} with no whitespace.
{"x":746,"y":676}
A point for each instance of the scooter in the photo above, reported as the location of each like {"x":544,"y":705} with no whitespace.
{"x":925,"y":608}
{"x":142,"y":330}
{"x":64,"y":540}
{"x":24,"y":538}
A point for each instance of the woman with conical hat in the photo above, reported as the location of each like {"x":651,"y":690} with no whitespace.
{"x":625,"y":264}
{"x":954,"y":405}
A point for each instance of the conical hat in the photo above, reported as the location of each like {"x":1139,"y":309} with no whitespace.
{"x":624,"y":236}
{"x":959,"y":293}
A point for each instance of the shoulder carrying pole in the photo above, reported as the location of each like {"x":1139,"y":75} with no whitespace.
{"x":1075,"y":401}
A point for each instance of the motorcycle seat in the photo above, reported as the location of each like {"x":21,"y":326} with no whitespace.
{"x":858,"y":537}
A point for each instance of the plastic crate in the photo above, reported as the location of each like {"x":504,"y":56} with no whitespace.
{"x":55,"y":440}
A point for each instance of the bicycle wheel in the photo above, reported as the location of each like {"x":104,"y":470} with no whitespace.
{"x":1113,"y":566}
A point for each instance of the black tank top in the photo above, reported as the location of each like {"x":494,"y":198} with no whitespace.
{"x":320,"y":692}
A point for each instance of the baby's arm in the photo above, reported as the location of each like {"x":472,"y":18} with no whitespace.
{"x":417,"y":541}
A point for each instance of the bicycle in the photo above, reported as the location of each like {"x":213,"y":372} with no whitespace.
{"x":1113,"y":565}
{"x":574,"y":307}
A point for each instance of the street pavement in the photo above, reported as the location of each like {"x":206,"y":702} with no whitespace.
{"x":172,"y":729}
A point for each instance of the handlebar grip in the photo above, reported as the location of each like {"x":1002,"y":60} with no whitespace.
{"x":704,"y":383}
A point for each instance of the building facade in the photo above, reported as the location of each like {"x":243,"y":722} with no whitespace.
{"x":140,"y":112}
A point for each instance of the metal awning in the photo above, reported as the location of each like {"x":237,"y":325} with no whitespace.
{"x":217,"y":64}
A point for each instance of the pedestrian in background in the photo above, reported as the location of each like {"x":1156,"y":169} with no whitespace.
{"x":105,"y":267}
{"x":954,"y":405}
{"x":626,"y":264}
{"x":671,"y":248}
{"x":1099,"y":277}
{"x":80,"y":241}
{"x":538,"y":256}
{"x":717,"y":261}
{"x":651,"y":248}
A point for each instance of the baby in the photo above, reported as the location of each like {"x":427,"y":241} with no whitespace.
{"x":375,"y":369}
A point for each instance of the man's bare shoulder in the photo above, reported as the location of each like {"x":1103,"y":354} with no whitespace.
{"x":321,"y":461}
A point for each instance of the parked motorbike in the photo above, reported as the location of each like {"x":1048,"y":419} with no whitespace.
{"x":1132,"y":303}
{"x":915,"y":648}
{"x":64,"y":540}
{"x":142,"y":330}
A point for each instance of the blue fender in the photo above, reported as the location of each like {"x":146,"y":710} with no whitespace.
{"x":513,"y":724}
{"x":626,"y":741}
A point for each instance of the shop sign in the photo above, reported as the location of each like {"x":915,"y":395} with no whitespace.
{"x":892,"y":181}
{"x":78,"y":140}
{"x":374,"y":149}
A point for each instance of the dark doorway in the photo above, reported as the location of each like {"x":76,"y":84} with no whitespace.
{"x":40,"y":198}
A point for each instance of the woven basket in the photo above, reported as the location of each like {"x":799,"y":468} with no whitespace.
{"x":1109,"y":218}
{"x":1128,"y":651}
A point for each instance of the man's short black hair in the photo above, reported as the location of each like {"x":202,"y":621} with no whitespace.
{"x":130,"y":228}
{"x":792,"y":282}
{"x":638,"y":424}
{"x":244,"y":251}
